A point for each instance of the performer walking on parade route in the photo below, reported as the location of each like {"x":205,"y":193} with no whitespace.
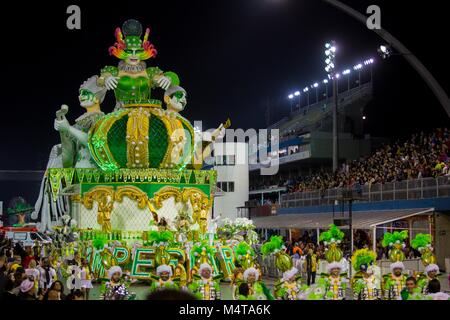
{"x":334,"y":281}
{"x":394,"y":282}
{"x":365,"y":285}
{"x":290,"y":285}
{"x":86,"y":278}
{"x":258,"y":289}
{"x":163,"y":279}
{"x":422,"y":243}
{"x":115,"y":288}
{"x":206,"y":288}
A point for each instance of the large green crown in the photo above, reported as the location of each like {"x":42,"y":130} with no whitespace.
{"x":114,"y":144}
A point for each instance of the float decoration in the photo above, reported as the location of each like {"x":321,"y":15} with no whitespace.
{"x":396,"y":242}
{"x":422,"y":243}
{"x":245,"y":255}
{"x":331,"y":239}
{"x":275,"y":247}
{"x":20,"y":208}
{"x":131,"y":179}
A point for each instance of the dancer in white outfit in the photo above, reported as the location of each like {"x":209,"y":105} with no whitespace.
{"x":86,"y":278}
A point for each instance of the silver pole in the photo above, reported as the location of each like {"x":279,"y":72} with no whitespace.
{"x":335,"y":124}
{"x":426,"y":75}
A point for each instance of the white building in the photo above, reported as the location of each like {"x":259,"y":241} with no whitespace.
{"x":231,"y":164}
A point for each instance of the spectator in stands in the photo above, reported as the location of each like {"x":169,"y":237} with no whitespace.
{"x":422,"y":156}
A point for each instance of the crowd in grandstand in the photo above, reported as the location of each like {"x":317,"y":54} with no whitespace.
{"x":423,"y":155}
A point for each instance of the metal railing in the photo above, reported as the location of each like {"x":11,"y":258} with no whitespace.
{"x":404,"y":190}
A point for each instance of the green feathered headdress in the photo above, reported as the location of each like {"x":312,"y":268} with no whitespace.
{"x":198,"y":249}
{"x":363,"y":257}
{"x":333,"y":234}
{"x":156,"y":237}
{"x":275,"y":244}
{"x":421,"y":240}
{"x":242,"y":249}
{"x":397,"y":237}
{"x":99,"y":241}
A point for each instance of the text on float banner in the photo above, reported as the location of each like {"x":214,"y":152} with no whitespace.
{"x":142,"y":265}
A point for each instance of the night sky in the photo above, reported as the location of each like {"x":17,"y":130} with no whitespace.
{"x":234,"y":57}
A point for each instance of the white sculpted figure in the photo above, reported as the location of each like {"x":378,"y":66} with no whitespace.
{"x":72,"y":152}
{"x":75,"y":152}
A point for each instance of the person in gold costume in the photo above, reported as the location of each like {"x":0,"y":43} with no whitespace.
{"x":105,"y":207}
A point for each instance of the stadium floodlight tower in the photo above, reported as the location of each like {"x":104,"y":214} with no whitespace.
{"x":347,"y":73}
{"x":316,"y":86}
{"x":291,"y":97}
{"x":297,"y":94}
{"x":306,"y":90}
{"x":358,"y":68}
{"x":325,"y":82}
{"x":330,"y":68}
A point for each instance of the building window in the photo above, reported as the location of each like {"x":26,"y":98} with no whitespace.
{"x":226,"y":186}
{"x":229,"y":160}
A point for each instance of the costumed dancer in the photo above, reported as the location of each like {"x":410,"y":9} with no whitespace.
{"x":334,"y":281}
{"x":207,"y":287}
{"x":73,"y":281}
{"x":257,"y":288}
{"x":115,"y":288}
{"x":422,"y":243}
{"x":86,"y":276}
{"x":245,"y":258}
{"x":365,"y":285}
{"x":236,"y":281}
{"x":394,"y":282}
{"x":163,"y":279}
{"x":290,"y":286}
{"x":283,"y":261}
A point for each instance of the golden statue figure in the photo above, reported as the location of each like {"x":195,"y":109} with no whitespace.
{"x":105,"y":207}
{"x":203,"y":216}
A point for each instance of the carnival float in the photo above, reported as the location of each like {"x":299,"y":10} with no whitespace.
{"x":128,"y":185}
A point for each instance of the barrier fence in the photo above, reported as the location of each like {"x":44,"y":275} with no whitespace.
{"x":403,"y":190}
